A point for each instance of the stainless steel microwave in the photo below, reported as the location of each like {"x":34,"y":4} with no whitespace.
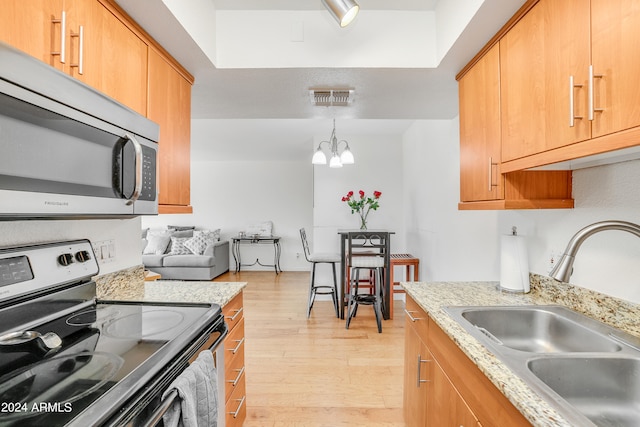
{"x":67,"y":150}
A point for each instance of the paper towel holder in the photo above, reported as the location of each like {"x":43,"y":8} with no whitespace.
{"x":514,"y":264}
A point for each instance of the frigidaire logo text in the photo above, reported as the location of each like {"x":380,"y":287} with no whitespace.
{"x":57,"y":203}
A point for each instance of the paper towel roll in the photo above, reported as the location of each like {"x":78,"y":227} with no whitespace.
{"x":514,"y":264}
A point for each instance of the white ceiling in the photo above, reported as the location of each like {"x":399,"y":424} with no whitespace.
{"x":317,"y":4}
{"x":393,"y":96}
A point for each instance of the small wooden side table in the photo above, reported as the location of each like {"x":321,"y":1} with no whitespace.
{"x":408,"y":261}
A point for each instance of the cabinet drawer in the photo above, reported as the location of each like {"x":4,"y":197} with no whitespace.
{"x":233,"y":311}
{"x":234,"y":343}
{"x":233,"y":372}
{"x":237,"y":406}
{"x":417,"y":317}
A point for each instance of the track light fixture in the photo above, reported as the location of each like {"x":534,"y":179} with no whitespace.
{"x":343,"y":10}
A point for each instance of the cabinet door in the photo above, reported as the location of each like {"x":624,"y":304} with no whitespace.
{"x":170,"y":106}
{"x":415,"y":377}
{"x":35,"y":27}
{"x":615,"y":27}
{"x":566,"y":56}
{"x":522,"y":91}
{"x":537,"y":57}
{"x":479,"y":91}
{"x":106,"y":54}
{"x":445,"y":405}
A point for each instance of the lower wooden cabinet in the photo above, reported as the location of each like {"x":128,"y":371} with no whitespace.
{"x":235,"y":389}
{"x":445,"y":405}
{"x":415,"y":377}
{"x":442,"y":386}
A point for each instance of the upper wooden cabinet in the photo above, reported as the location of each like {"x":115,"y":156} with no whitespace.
{"x":615,"y":37}
{"x":567,"y":81}
{"x":479,"y":93}
{"x":544,"y":63}
{"x":83,"y":39}
{"x":170,"y":107}
{"x":35,"y":27}
{"x":482,"y":185}
{"x":566,"y":91}
{"x":106,"y":54}
{"x":97,"y":43}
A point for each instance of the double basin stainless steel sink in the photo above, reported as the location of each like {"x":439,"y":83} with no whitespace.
{"x":588,"y":371}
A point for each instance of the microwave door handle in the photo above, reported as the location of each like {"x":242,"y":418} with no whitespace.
{"x":138,"y":184}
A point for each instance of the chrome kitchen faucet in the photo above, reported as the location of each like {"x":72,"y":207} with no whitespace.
{"x":562,"y":271}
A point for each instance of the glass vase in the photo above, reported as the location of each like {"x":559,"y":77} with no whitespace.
{"x":363,"y":223}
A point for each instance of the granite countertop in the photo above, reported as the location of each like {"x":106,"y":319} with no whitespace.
{"x":176,"y":291}
{"x":432,"y":297}
{"x":129,"y":285}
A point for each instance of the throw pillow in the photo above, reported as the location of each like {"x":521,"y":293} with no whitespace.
{"x":178,"y":247}
{"x":196,"y":245}
{"x":180,"y":227}
{"x":156,"y":244}
{"x":201,"y":239}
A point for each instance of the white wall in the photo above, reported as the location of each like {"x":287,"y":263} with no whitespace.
{"x":451,"y":244}
{"x":607,"y":262}
{"x":464,"y":245}
{"x":312,"y":38}
{"x":234,"y":195}
{"x":378,"y":167}
{"x":124,"y":232}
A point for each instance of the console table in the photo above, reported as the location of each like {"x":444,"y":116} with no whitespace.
{"x":256,"y":240}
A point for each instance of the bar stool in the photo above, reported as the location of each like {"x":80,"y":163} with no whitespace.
{"x":408,"y":261}
{"x":315,"y":259}
{"x":366,"y":251}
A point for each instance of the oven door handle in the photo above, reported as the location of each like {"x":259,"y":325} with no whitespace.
{"x":155,"y":418}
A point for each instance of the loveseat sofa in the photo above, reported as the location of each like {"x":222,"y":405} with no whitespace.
{"x":185,"y":253}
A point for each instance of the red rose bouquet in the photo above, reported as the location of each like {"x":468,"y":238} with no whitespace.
{"x":362,"y":205}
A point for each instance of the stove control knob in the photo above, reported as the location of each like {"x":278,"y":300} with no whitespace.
{"x":65,"y":259}
{"x":82,"y":256}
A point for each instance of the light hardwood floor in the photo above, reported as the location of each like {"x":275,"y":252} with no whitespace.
{"x":314,"y":372}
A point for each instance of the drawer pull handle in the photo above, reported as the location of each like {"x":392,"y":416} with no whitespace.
{"x":572,"y":113}
{"x":420,"y":361}
{"x":80,"y":64}
{"x":237,"y":347}
{"x":235,"y":381}
{"x":63,"y":30}
{"x":238,"y":311}
{"x":592,"y":108}
{"x":413,"y":319}
{"x":237,"y":411}
{"x":491,"y":165}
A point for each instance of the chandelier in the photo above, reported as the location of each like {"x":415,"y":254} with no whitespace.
{"x":337,"y":159}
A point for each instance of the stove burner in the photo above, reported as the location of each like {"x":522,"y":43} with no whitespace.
{"x":148,"y":323}
{"x":60,"y":380}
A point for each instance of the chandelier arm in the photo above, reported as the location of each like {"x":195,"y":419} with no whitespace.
{"x":323,"y":142}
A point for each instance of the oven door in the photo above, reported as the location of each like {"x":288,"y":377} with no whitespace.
{"x":148,"y":407}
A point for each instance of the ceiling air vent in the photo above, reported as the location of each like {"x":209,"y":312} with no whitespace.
{"x":330,"y":97}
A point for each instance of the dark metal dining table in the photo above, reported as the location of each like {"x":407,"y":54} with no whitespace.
{"x":344,"y":234}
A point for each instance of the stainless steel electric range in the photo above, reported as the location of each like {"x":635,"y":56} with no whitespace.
{"x":68,"y":359}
